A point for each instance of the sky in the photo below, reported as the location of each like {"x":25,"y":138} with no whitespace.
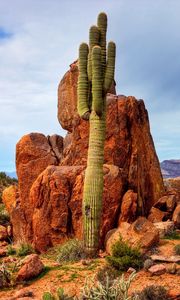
{"x":39,"y":39}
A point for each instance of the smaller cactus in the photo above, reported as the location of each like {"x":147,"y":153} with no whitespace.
{"x":48,"y":296}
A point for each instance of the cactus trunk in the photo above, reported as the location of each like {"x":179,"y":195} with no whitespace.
{"x":93,"y":185}
{"x":95,"y":78}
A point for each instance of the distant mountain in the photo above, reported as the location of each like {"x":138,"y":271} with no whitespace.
{"x":11,"y":174}
{"x":170,"y":168}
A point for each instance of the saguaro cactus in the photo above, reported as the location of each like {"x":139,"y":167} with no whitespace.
{"x":96,"y":74}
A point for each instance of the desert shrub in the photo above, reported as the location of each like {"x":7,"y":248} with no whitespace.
{"x":4,"y":216}
{"x":48,"y":296}
{"x":105,"y":271}
{"x":153,"y":292}
{"x":123,"y":256}
{"x":60,"y":295}
{"x":177,"y":249}
{"x":24,"y":249}
{"x":148,"y":263}
{"x":173,"y":235}
{"x":71,"y":251}
{"x":5,"y":181}
{"x":11,"y":250}
{"x":116,"y":290}
{"x":5,"y":276}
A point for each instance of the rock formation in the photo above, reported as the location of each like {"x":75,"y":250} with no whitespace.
{"x":51,"y":170}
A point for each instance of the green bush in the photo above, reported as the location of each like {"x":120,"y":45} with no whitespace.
{"x":71,"y":251}
{"x":153,"y":292}
{"x":177,"y":249}
{"x":48,"y":296}
{"x":60,"y":295}
{"x":4,"y":216}
{"x":11,"y":250}
{"x":174,"y":235}
{"x":24,"y":249}
{"x":123,"y":256}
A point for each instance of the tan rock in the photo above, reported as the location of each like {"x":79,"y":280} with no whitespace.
{"x":128,"y":207}
{"x":142,"y":234}
{"x":164,"y":228}
{"x":157,"y":269}
{"x":176,"y":216}
{"x":156,"y":215}
{"x":32,"y":267}
{"x":3,"y":233}
{"x":173,"y":258}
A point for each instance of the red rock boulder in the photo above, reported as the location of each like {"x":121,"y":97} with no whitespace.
{"x":56,"y":201}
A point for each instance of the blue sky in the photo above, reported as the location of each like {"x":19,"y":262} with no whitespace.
{"x":40,"y":38}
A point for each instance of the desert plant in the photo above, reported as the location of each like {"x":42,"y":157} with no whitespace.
{"x":173,"y":235}
{"x":96,"y":75}
{"x":24,"y":249}
{"x":72,"y":250}
{"x":48,"y":296}
{"x":105,"y":271}
{"x":153,"y":292}
{"x":60,"y":295}
{"x":177,"y":249}
{"x":4,"y":216}
{"x":5,"y":276}
{"x":116,"y":290}
{"x":11,"y":250}
{"x":123,"y":256}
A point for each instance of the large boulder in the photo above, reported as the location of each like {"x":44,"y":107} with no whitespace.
{"x":56,"y":201}
{"x":141,"y":234}
{"x":128,"y":145}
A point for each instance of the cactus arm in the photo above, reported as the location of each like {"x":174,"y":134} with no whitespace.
{"x":109,"y":75}
{"x":102,"y":25}
{"x":97,"y":104}
{"x":94,"y":37}
{"x":83,"y":107}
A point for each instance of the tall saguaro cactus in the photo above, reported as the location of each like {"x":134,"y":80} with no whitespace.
{"x":96,"y":74}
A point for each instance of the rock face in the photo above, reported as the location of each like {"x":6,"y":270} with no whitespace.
{"x":56,"y":200}
{"x":51,"y":170}
{"x":142,"y":234}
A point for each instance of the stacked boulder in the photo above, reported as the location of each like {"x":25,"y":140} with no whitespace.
{"x":50,"y":170}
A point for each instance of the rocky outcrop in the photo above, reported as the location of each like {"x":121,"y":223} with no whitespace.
{"x":170,"y":168}
{"x":51,"y":170}
{"x":56,"y":201}
{"x":141,"y":234}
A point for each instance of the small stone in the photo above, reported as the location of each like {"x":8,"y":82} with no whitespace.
{"x":157,"y":269}
{"x":172,"y":259}
{"x":131,"y":270}
{"x":23,"y":294}
{"x":86,"y":262}
{"x":32,"y":267}
{"x":148,"y":263}
{"x":171,"y":269}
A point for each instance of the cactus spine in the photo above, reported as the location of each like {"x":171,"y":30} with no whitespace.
{"x":96,"y":74}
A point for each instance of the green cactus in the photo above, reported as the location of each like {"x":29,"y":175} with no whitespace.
{"x":96,"y":75}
